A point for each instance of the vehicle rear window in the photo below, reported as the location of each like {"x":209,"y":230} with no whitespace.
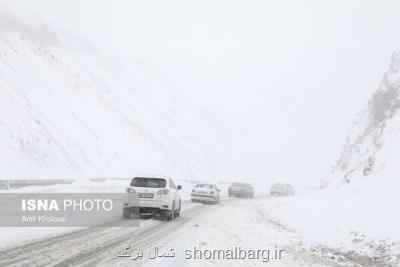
{"x":208,"y":186}
{"x":148,"y":182}
{"x":240,"y":185}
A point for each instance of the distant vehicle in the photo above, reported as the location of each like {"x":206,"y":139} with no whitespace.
{"x":281,"y":189}
{"x":241,"y":190}
{"x":205,"y":192}
{"x":156,"y":196}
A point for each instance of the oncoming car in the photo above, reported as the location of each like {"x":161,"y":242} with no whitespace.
{"x":241,"y":190}
{"x":205,"y":192}
{"x":155,"y":196}
{"x":281,"y":189}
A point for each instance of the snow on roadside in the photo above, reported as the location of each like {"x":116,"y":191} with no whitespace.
{"x":313,"y":230}
{"x":351,"y":223}
{"x":235,"y":224}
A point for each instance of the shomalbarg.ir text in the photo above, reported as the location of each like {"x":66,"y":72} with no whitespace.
{"x":235,"y":253}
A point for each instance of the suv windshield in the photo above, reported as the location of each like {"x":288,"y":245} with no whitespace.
{"x":148,"y":182}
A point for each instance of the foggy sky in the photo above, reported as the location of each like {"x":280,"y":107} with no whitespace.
{"x":285,"y":77}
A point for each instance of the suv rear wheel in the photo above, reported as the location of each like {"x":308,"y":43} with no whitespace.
{"x":167,"y":215}
{"x":129,"y":211}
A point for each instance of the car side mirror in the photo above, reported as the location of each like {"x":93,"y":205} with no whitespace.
{"x":179,"y":187}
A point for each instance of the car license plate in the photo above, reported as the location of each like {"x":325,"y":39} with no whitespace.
{"x":146,"y":195}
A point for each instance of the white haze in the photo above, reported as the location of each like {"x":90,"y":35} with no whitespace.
{"x":283,"y":78}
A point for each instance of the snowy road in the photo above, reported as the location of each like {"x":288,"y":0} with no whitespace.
{"x":235,"y":222}
{"x":90,"y":245}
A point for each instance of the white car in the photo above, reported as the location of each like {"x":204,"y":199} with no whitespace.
{"x":280,"y":189}
{"x":205,"y":192}
{"x":156,"y":195}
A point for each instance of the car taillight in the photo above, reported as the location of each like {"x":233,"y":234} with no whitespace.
{"x":212,"y":193}
{"x":163,"y":192}
{"x":130,"y":190}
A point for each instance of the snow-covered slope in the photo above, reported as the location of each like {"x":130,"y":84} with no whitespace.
{"x":68,"y":111}
{"x":372,"y":148}
{"x":356,"y":216}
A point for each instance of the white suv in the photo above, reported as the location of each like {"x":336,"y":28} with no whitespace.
{"x":154,"y":195}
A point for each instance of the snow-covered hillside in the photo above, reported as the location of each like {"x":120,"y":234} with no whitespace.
{"x":355,"y":216}
{"x":372,"y":148}
{"x":68,"y":111}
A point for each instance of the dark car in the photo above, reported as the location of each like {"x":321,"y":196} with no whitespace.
{"x":241,"y":190}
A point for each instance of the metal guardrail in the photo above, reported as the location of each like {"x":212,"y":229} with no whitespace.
{"x":23,"y":182}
